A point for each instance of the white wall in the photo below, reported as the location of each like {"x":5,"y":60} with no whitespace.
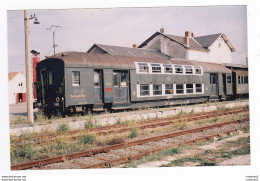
{"x":14,"y":88}
{"x":198,"y":55}
{"x":220,"y":52}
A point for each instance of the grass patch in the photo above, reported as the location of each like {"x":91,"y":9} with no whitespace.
{"x":18,"y":120}
{"x":89,"y":124}
{"x":133,"y":133}
{"x":179,"y":126}
{"x":88,"y":139}
{"x":63,"y":128}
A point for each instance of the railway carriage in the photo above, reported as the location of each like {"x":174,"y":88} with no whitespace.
{"x":82,"y":82}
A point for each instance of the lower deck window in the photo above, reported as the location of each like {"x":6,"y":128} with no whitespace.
{"x":229,"y":79}
{"x":144,"y":90}
{"x":179,"y":89}
{"x":198,"y":88}
{"x":189,"y":88}
{"x":168,"y":88}
{"x":246,"y":80}
{"x":239,"y":79}
{"x":157,"y":89}
{"x":75,"y":78}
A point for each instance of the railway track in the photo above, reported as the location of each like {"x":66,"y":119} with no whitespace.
{"x":72,"y":135}
{"x":109,"y":156}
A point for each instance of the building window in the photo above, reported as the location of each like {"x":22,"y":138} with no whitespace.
{"x":178,"y":69}
{"x":156,"y":68}
{"x":189,"y":88}
{"x":229,"y":79}
{"x":143,"y":67}
{"x":246,"y":80}
{"x":188,"y":70}
{"x":198,"y":88}
{"x":75,"y":78}
{"x":144,"y":90}
{"x":167,"y":68}
{"x":197,"y":70}
{"x":157,"y":89}
{"x":179,"y":89}
{"x":239,"y":79}
{"x":168,"y":88}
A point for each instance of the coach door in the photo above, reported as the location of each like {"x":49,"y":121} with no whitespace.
{"x":98,"y":86}
{"x":213,"y":84}
{"x":121,"y":87}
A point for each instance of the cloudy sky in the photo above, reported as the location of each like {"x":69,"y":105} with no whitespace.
{"x":81,"y":28}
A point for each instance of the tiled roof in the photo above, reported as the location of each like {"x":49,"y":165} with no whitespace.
{"x":207,"y":40}
{"x":12,"y":75}
{"x":132,"y":52}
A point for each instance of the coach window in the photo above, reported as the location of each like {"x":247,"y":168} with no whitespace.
{"x":143,"y":67}
{"x":197,"y":70}
{"x":50,"y":77}
{"x":246,"y":79}
{"x":229,"y":79}
{"x":123,"y":79}
{"x":115,"y":79}
{"x":198,"y":88}
{"x":178,"y":69}
{"x":75,"y":78}
{"x":167,"y":68}
{"x":239,"y":79}
{"x":168,"y":88}
{"x":179,"y":89}
{"x":144,"y":90}
{"x":157,"y":89}
{"x":156,"y":68}
{"x":188,"y":70}
{"x":189,"y":88}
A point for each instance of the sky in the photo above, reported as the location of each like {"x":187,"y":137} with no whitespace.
{"x":81,"y":28}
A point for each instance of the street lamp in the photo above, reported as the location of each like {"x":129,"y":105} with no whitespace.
{"x":28,"y":64}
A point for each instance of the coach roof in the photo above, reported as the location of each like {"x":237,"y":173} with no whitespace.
{"x":82,"y":59}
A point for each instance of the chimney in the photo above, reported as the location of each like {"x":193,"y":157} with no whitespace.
{"x":134,"y":45}
{"x":187,"y":38}
{"x":162,"y":30}
{"x":193,"y":34}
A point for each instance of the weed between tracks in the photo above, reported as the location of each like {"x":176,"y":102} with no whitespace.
{"x":84,"y":141}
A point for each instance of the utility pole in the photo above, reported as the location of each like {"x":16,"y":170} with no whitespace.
{"x":53,"y":28}
{"x":28,"y":63}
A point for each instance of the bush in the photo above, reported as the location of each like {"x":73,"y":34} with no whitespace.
{"x":179,"y":126}
{"x":133,"y":133}
{"x":88,"y":139}
{"x":63,"y":128}
{"x":89,"y":124}
{"x":115,"y":140}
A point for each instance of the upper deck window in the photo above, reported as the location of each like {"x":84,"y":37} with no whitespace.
{"x":178,"y":69}
{"x":156,"y":68}
{"x":198,"y":70}
{"x":143,"y":67}
{"x":75,"y":78}
{"x":188,"y":70}
{"x":167,"y":68}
